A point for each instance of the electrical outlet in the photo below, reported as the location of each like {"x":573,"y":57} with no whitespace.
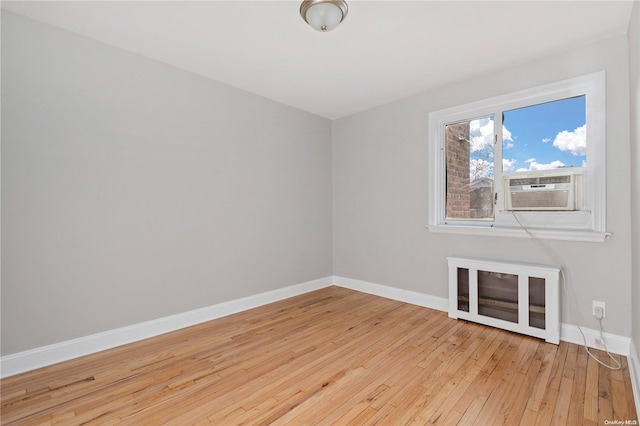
{"x":598,"y":309}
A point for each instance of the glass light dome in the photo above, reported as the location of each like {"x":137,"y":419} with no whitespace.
{"x":323,"y":15}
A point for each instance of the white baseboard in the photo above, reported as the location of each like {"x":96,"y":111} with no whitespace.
{"x":63,"y":351}
{"x":634,"y":372}
{"x":569,"y":333}
{"x":616,"y":344}
{"x":415,"y":298}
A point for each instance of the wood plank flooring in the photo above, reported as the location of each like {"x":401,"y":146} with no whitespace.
{"x":330,"y":357}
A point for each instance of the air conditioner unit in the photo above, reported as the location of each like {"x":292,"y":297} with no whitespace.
{"x":544,"y":191}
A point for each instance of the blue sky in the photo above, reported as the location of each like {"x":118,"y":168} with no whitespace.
{"x":548,"y":133}
{"x":539,"y":137}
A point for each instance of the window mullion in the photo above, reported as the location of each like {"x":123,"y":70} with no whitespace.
{"x":497,"y":167}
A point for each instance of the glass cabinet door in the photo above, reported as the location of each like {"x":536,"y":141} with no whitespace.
{"x":498,"y":295}
{"x":463,"y":289}
{"x":537,"y":302}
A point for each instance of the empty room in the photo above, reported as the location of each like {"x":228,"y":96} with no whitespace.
{"x":320,"y":212}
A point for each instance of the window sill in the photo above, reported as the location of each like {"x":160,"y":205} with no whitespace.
{"x":543,"y":234}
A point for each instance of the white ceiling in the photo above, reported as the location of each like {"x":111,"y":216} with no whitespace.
{"x":383,"y":51}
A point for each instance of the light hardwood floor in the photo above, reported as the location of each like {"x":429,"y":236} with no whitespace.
{"x":331,"y":357}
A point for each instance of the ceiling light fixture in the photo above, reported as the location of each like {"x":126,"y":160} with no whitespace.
{"x":323,"y":15}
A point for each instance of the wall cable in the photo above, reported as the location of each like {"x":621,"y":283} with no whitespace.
{"x":555,"y":259}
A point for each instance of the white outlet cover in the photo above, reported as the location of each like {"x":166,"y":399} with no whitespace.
{"x":597,"y":304}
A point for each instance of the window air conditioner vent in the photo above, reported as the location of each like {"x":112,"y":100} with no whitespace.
{"x":544,"y":192}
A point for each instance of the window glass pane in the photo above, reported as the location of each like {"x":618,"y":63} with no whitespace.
{"x":547,"y":136}
{"x":470,"y":165}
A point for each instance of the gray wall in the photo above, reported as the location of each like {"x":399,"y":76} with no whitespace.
{"x":380,"y":192}
{"x":132,"y":190}
{"x":634,"y":78}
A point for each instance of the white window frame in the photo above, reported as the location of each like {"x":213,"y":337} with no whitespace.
{"x":588,"y":224}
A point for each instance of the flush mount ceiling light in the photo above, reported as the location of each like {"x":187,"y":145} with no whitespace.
{"x":323,"y":15}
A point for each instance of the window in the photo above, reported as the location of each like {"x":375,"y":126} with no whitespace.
{"x":469,"y":155}
{"x":533,"y":158}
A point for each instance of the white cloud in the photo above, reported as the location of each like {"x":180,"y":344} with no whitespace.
{"x":506,"y":135}
{"x":574,"y":142}
{"x":482,"y":135}
{"x":481,"y":132}
{"x":507,"y":165}
{"x":546,"y":140}
{"x":533,"y":165}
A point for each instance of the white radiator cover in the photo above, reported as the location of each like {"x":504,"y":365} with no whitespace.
{"x":519,"y":297}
